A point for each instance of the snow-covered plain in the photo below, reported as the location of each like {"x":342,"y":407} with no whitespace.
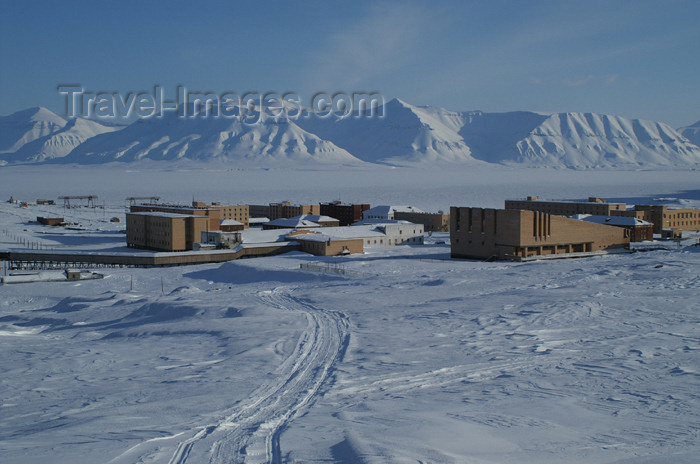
{"x":410,"y":357}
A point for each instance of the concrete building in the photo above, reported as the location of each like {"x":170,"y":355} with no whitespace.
{"x":479,"y":233}
{"x":164,"y":231}
{"x":388,"y":211}
{"x":259,"y":211}
{"x":320,"y":244}
{"x":639,"y":230}
{"x":346,"y":214}
{"x":240,"y":213}
{"x":432,"y":222}
{"x":665,"y":218}
{"x":51,"y":221}
{"x":212,"y":214}
{"x":231,"y":225}
{"x":287,"y":210}
{"x":594,"y":206}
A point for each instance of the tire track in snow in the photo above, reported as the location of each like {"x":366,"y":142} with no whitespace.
{"x":249,"y":431}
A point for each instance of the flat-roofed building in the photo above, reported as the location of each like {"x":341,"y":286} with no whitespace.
{"x":259,"y":211}
{"x":287,"y":210}
{"x":231,"y":225}
{"x":665,"y":218}
{"x":211,"y":214}
{"x":240,"y":213}
{"x":164,"y":231}
{"x":320,"y":244}
{"x":594,"y":206}
{"x":388,"y":211}
{"x":346,"y":214}
{"x":432,"y":222}
{"x":480,"y":233}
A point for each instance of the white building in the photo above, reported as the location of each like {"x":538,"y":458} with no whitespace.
{"x":387,"y":211}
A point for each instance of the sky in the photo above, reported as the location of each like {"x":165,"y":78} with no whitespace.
{"x":633,"y":58}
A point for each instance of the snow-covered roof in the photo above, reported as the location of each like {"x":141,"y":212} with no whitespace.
{"x":385,"y":210}
{"x":258,"y":220}
{"x":230,"y":222}
{"x":250,"y":236}
{"x":162,"y":214}
{"x":293,"y":223}
{"x":315,"y":218}
{"x":378,"y":221}
{"x":612,"y":220}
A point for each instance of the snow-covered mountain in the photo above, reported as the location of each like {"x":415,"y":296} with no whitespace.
{"x":38,"y":134}
{"x":589,"y":140}
{"x":269,"y":142}
{"x":691,"y":133}
{"x":400,"y":134}
{"x":403,"y":133}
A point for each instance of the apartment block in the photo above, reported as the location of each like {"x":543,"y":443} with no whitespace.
{"x":287,"y":210}
{"x":164,"y":231}
{"x":212,"y":214}
{"x":665,"y":218}
{"x":240,"y":213}
{"x":346,"y":214}
{"x":480,"y":233}
{"x":594,"y":206}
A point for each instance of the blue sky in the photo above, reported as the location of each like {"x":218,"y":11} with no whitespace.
{"x":638,"y":59}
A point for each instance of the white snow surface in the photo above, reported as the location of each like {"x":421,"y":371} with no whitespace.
{"x":408,"y":357}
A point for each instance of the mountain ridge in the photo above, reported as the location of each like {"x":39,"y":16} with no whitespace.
{"x":402,"y":134}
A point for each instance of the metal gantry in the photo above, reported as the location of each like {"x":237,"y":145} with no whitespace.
{"x":67,"y":198}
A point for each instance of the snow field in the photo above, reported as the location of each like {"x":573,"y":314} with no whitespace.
{"x":409,"y":357}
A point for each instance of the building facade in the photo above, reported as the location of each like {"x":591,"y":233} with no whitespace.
{"x":287,"y":210}
{"x":164,"y":231}
{"x":665,"y":218}
{"x":479,"y":233}
{"x":240,"y":213}
{"x":211,"y":214}
{"x":432,"y":222}
{"x":594,"y":206}
{"x":346,"y":214}
{"x":388,"y":211}
{"x":639,"y":229}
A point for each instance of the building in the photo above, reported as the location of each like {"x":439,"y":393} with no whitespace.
{"x":320,"y":244}
{"x":240,"y":213}
{"x":290,"y":223}
{"x":164,"y":231}
{"x":432,"y":222}
{"x":346,"y":214}
{"x":594,"y":206}
{"x":479,"y":233}
{"x":259,"y":211}
{"x":212,"y":214}
{"x":639,"y":230}
{"x":287,"y":210}
{"x":221,"y":239}
{"x":665,"y":218}
{"x":231,"y":225}
{"x":387,"y":211}
{"x":52,"y":221}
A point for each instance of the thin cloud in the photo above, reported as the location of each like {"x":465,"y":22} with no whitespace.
{"x":380,"y":43}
